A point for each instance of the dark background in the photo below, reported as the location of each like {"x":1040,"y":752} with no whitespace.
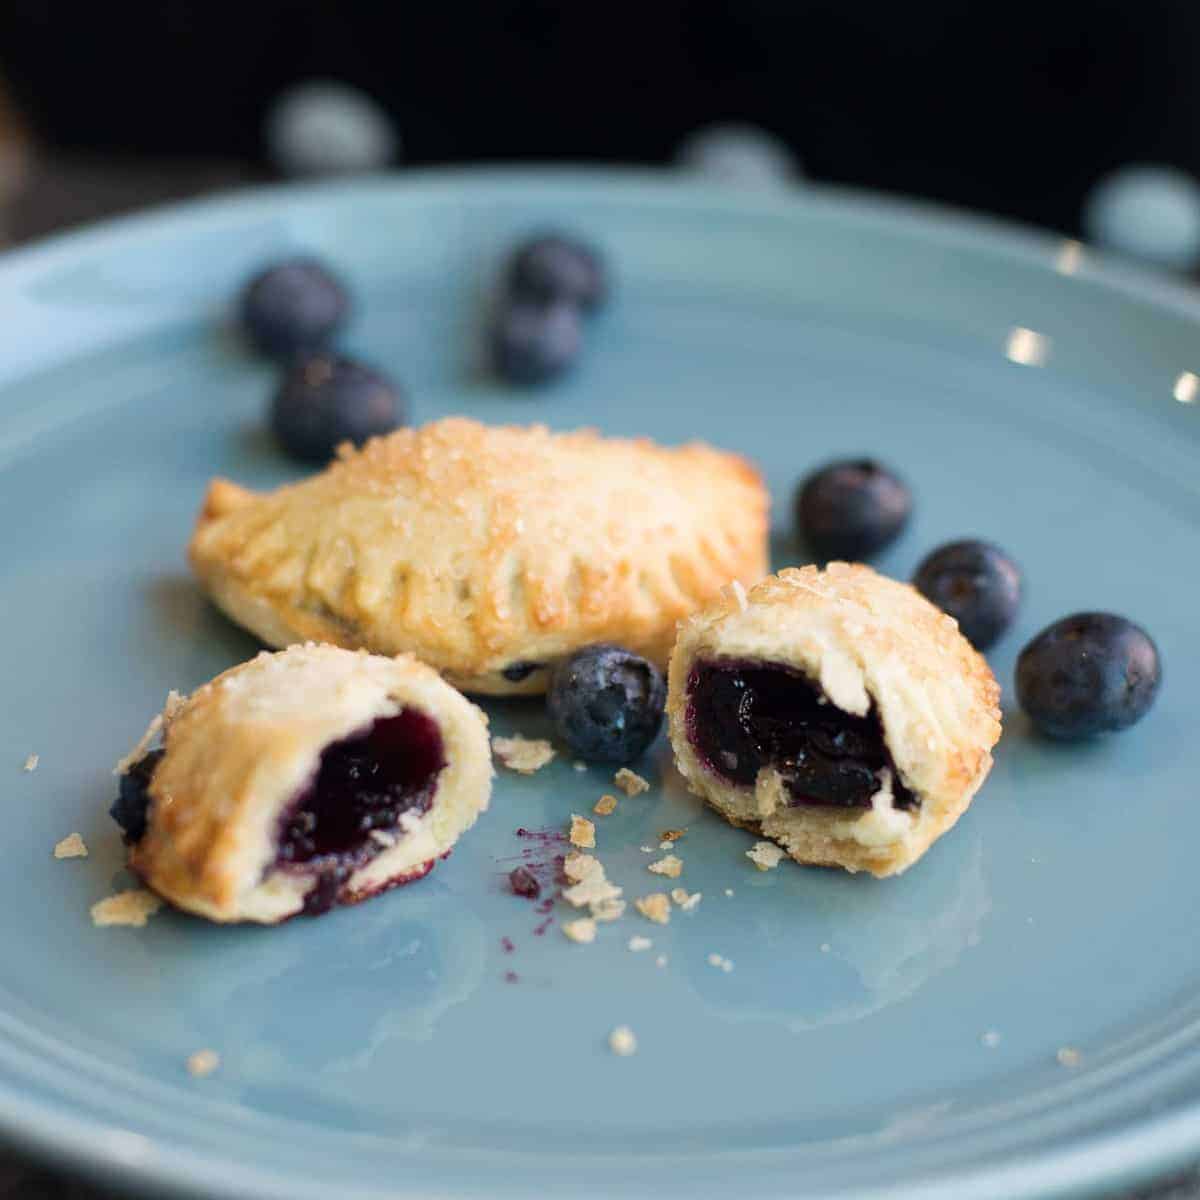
{"x":1014,"y":108}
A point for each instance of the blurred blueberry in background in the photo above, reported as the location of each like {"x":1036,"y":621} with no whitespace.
{"x":740,"y":155}
{"x":322,"y":127}
{"x":1148,"y":212}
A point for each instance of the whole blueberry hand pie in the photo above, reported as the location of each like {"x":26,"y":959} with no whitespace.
{"x":301,"y":780}
{"x":488,"y":552}
{"x":836,"y":712}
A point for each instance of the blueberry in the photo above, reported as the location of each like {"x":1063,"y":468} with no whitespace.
{"x":851,"y":509}
{"x":1087,"y":674}
{"x":131,"y":806}
{"x":325,"y":399}
{"x":322,"y":127}
{"x":976,"y":583}
{"x":555,"y":268}
{"x":533,"y":342}
{"x":606,"y":703}
{"x":293,"y":306}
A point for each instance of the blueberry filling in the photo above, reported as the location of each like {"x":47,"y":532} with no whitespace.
{"x":364,"y":784}
{"x":743,"y":716}
{"x":130,"y":810}
{"x":518,"y":672}
{"x":524,"y":883}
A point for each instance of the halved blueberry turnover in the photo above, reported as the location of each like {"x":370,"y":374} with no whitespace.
{"x":837,"y":712}
{"x":302,"y":780}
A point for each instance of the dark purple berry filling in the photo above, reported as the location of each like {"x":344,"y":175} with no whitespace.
{"x":131,"y":809}
{"x":518,"y":672}
{"x":364,"y":783}
{"x":743,"y":716}
{"x":524,"y":883}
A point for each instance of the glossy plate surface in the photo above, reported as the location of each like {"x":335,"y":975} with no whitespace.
{"x":1030,"y":394}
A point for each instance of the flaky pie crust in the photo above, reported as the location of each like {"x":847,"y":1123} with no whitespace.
{"x":239,"y":749}
{"x":863,"y":639}
{"x":478,"y":548}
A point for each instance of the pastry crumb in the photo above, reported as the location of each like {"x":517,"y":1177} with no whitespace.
{"x":583,"y":832}
{"x":765,"y":855}
{"x":729,"y":891}
{"x":685,"y":902}
{"x":203,"y":1062}
{"x":639,"y":943}
{"x":582,"y":930}
{"x":670,"y":865}
{"x":672,"y":835}
{"x":592,"y":888}
{"x":825,"y":947}
{"x":595,"y":889}
{"x":1068,"y":1056}
{"x":578,"y":866}
{"x":579,"y":766}
{"x":622,"y":1042}
{"x":133,"y":908}
{"x":605,"y":805}
{"x":647,"y":849}
{"x":720,"y":962}
{"x":523,"y":755}
{"x":72,"y":846}
{"x":655,"y":907}
{"x":991,"y":1039}
{"x":630,"y":782}
{"x":31,"y":763}
{"x":610,"y":909}
{"x":661,"y":961}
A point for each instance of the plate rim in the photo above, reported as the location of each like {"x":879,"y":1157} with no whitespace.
{"x":46,"y":1128}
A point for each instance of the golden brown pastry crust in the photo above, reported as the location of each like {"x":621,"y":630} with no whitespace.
{"x":477,"y":548}
{"x":866,"y":641}
{"x":240,"y":748}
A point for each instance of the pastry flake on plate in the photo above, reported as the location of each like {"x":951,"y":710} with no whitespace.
{"x":836,"y":712}
{"x":303,"y":779}
{"x":488,"y":552}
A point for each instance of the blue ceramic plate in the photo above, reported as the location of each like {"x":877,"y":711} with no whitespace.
{"x":1031,"y":395}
